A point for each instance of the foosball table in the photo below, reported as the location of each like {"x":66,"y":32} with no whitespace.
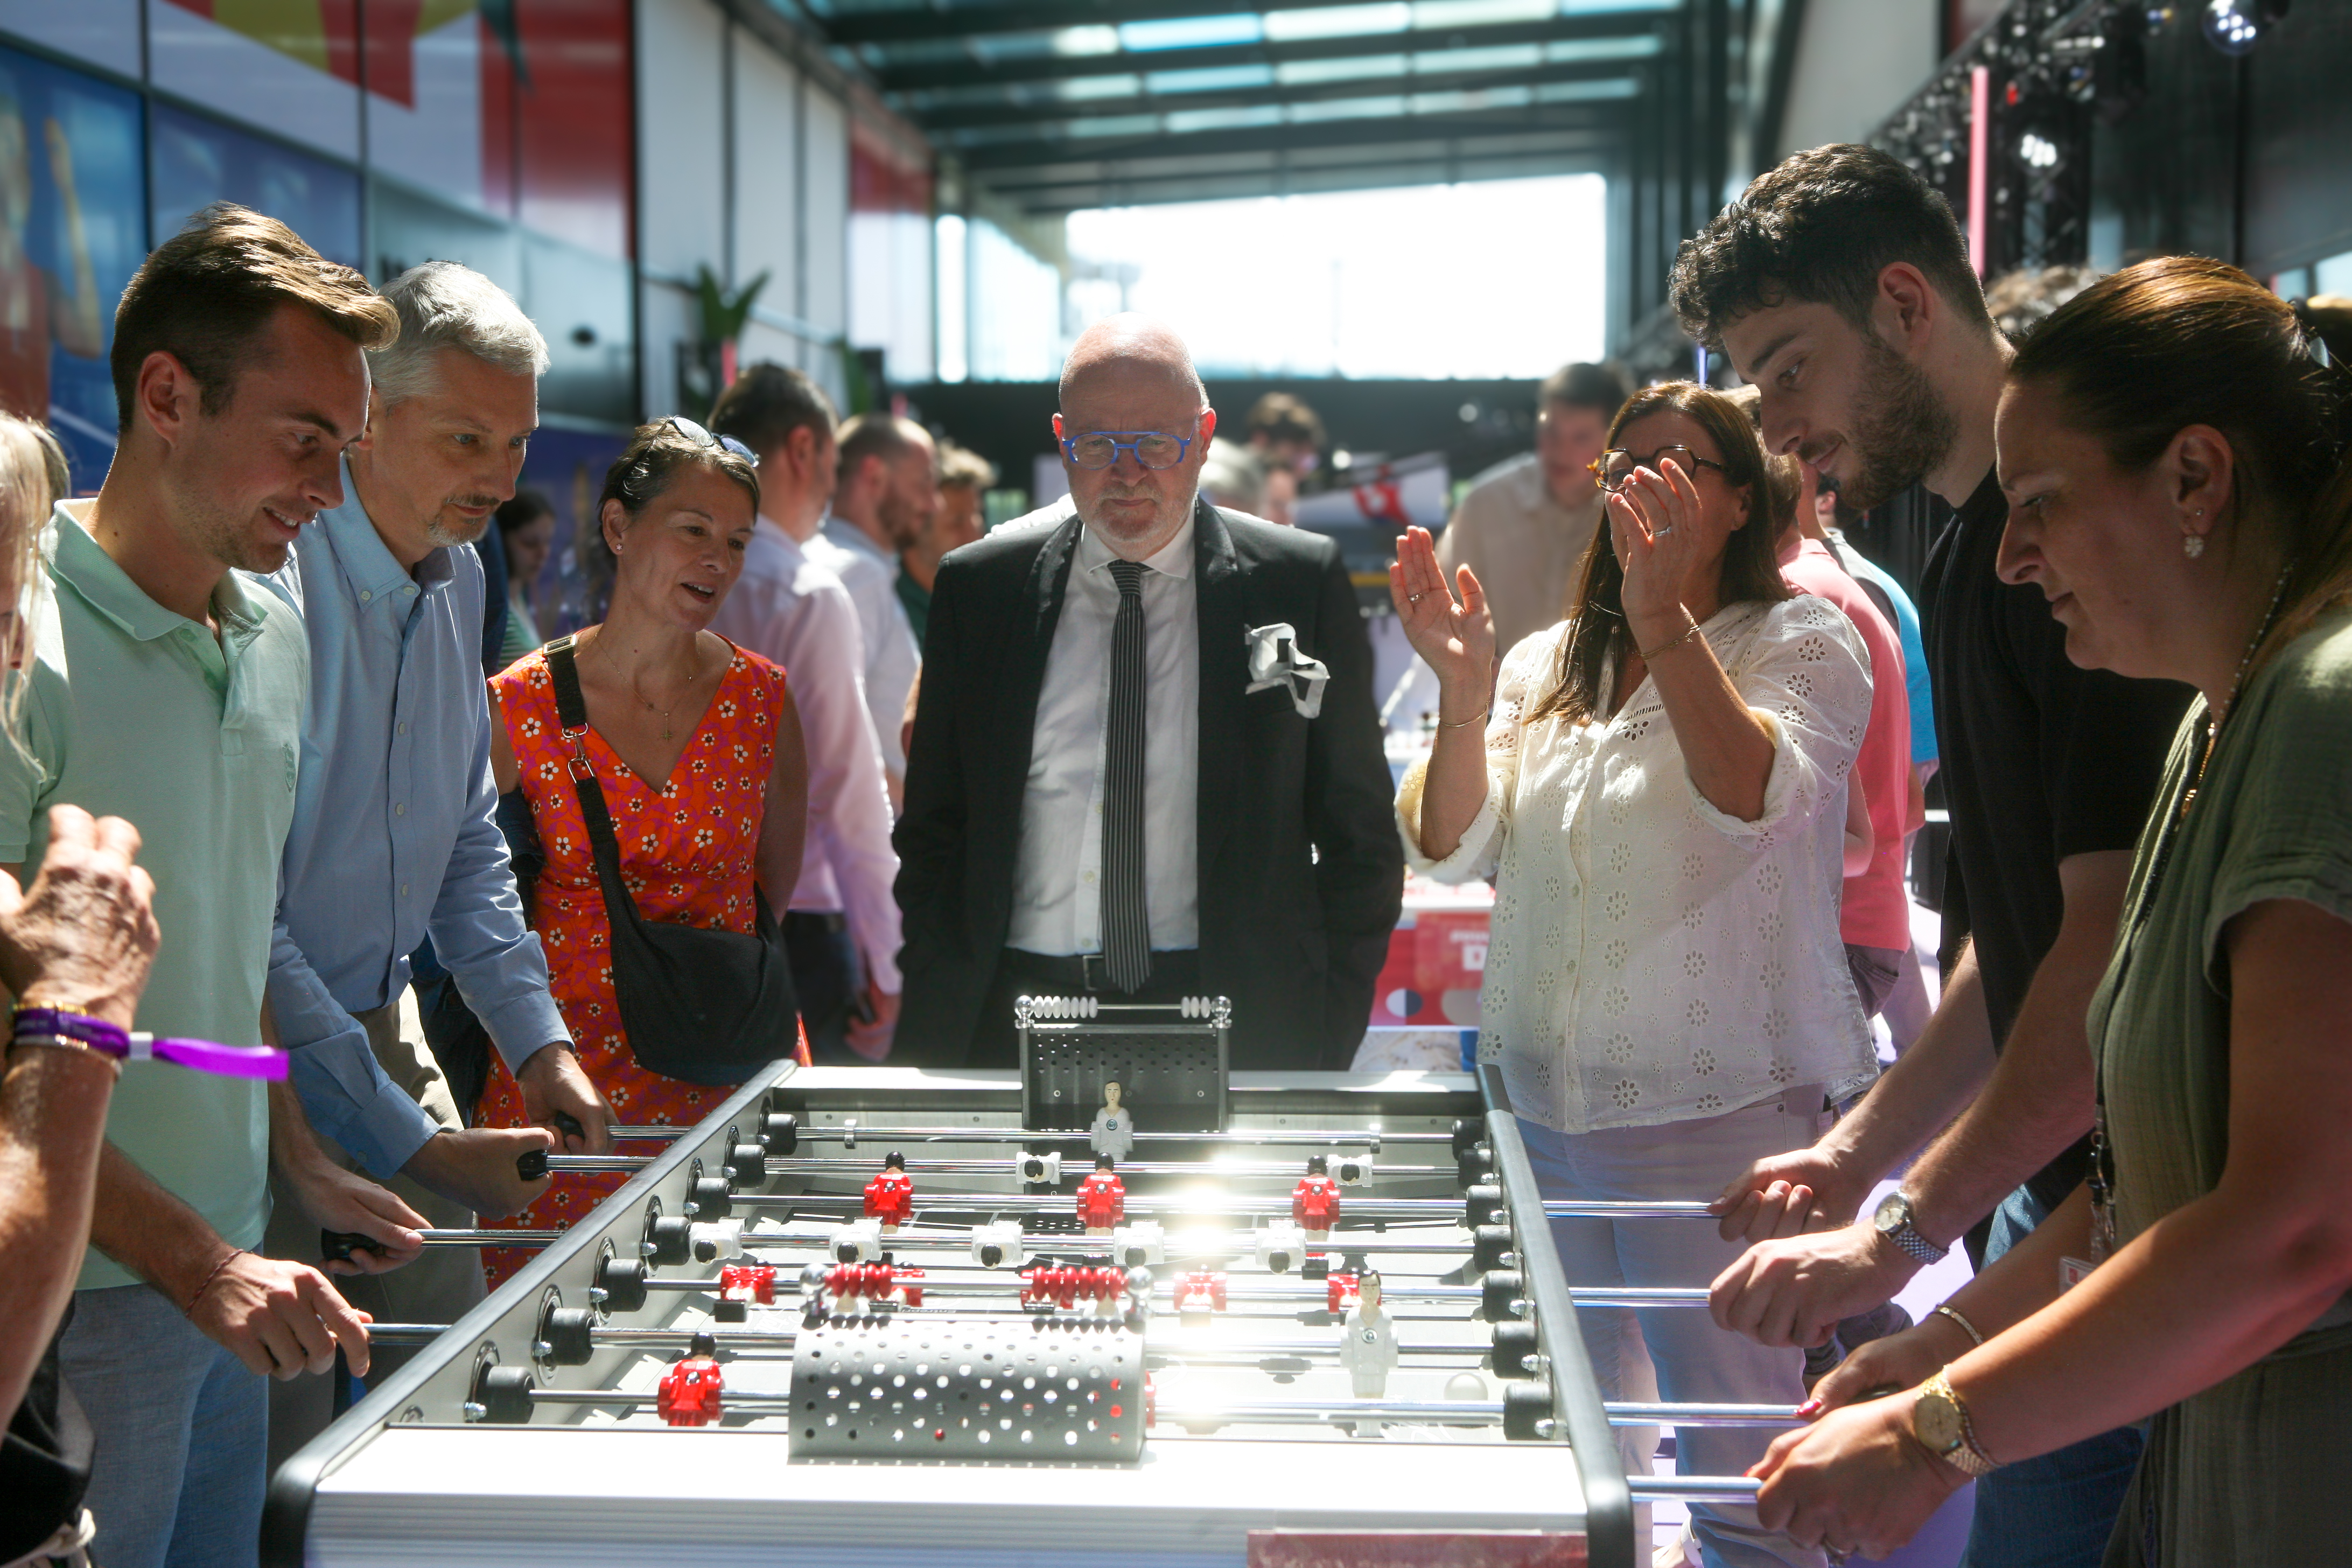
{"x":1117,"y":1305}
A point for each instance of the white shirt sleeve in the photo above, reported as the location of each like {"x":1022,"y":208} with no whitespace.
{"x":1526,"y":678}
{"x":1806,"y":677}
{"x":849,"y":809}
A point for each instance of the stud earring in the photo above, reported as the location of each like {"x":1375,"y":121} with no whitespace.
{"x":2192,"y":545}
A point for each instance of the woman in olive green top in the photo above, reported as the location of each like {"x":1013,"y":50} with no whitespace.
{"x":2172,"y":454}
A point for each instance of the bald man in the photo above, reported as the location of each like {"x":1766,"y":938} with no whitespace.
{"x":1146,"y":761}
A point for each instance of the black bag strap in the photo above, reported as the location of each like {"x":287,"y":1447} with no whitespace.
{"x":571,"y":714}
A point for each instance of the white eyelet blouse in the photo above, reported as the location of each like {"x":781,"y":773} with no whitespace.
{"x":1654,"y":959}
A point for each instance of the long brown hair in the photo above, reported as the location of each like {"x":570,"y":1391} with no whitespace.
{"x":2182,"y":341}
{"x":1750,"y":569}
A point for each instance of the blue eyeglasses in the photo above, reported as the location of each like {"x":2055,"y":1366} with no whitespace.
{"x":1100,"y":449}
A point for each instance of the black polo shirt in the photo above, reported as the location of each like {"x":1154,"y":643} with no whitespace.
{"x":2040,"y":760}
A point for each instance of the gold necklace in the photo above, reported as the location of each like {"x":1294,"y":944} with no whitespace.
{"x":637,"y":689}
{"x":2237,"y":686}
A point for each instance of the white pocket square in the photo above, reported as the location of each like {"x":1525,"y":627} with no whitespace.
{"x":1275,"y":659}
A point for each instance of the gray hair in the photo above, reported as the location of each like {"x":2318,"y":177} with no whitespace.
{"x":445,"y":306}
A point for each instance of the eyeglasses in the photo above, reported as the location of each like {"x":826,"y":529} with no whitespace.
{"x":1614,"y":469}
{"x":1100,"y":449}
{"x":702,"y":438}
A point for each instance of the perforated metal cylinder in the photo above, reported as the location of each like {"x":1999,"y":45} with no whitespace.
{"x":1045,"y":1389}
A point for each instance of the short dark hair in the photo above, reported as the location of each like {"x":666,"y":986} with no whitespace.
{"x":205,"y":295}
{"x":872,"y":434}
{"x":1279,"y":417}
{"x":1821,"y":227}
{"x":1593,"y":386}
{"x":523,"y":508}
{"x":767,"y":403}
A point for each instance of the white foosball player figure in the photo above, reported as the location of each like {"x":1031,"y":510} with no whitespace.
{"x":1368,"y":1345}
{"x":860,"y":1241}
{"x":997,"y":1245}
{"x":1114,"y":1129}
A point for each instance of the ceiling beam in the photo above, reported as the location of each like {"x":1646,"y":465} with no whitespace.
{"x":1404,"y":143}
{"x":985,"y":163}
{"x":976,"y":117}
{"x":976,"y":71}
{"x":907,"y":24}
{"x":1437,"y":164}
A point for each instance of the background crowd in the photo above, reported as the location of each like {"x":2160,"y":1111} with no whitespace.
{"x":286,"y":739}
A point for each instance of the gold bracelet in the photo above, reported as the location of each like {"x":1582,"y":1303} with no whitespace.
{"x":1692,"y":631}
{"x":60,"y":1043}
{"x":1461,"y":724}
{"x":1948,"y":1311}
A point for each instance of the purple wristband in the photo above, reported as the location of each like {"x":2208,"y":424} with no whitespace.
{"x":43,"y":1025}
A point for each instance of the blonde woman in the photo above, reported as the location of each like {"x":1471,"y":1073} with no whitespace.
{"x":1661,"y":798}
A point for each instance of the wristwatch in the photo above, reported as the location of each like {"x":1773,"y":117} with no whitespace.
{"x":1940,"y":1422}
{"x":1894,"y":1222}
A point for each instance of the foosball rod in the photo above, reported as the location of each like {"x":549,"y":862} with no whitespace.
{"x":1395,"y":1288}
{"x":853,"y":1136}
{"x":819,"y":1168}
{"x":336,"y":1245}
{"x":1270,"y":1206}
{"x":1466,"y":1412}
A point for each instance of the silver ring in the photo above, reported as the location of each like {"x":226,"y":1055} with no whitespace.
{"x":1662,"y":532}
{"x":1412,"y":598}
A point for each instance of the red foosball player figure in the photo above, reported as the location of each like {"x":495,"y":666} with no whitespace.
{"x":1102,"y":1199}
{"x":1315,"y":1202}
{"x":748,"y":1282}
{"x":1201,"y":1292}
{"x":1339,"y":1290}
{"x":691,"y":1390}
{"x":890,"y":1196}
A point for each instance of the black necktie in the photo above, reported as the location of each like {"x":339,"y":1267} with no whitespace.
{"x":1126,"y":920}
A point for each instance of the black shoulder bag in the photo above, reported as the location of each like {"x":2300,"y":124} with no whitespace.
{"x":700,"y":1006}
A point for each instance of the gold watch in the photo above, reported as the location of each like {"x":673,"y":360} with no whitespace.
{"x":1940,"y":1423}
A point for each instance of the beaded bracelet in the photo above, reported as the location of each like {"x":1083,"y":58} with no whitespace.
{"x":52,"y":1026}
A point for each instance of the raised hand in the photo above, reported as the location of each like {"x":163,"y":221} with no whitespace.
{"x":1456,"y":639}
{"x":82,"y":936}
{"x":1654,"y":524}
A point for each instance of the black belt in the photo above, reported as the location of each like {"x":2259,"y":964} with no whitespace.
{"x":1084,"y":973}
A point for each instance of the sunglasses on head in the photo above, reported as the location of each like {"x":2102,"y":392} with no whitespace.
{"x":703,"y":437}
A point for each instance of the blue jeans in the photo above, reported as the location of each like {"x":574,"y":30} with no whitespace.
{"x":1696,"y":1360}
{"x":151,"y":1383}
{"x":2056,"y":1511}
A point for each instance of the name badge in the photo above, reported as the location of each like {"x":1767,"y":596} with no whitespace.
{"x":2073,"y":1271}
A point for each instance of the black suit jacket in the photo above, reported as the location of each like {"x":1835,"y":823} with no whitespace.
{"x":1301,"y":872}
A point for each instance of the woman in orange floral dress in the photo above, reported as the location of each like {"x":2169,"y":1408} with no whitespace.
{"x":698,"y":746}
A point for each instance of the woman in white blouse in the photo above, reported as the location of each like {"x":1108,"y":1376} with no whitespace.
{"x":1661,"y":800}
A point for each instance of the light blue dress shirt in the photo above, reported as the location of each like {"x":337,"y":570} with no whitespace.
{"x":395,"y":834}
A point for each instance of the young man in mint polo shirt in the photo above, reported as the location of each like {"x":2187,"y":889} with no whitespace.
{"x":165,"y":690}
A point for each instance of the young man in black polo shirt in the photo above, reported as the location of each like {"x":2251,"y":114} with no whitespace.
{"x":1840,"y":285}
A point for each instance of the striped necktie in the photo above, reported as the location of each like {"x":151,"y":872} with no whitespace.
{"x":1126,"y":920}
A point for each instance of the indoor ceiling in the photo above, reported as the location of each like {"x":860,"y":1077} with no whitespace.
{"x":1059,"y":104}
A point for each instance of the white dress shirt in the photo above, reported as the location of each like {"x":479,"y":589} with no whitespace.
{"x":871,"y":575}
{"x":1058,"y":877}
{"x":787,"y":608}
{"x":1654,"y":959}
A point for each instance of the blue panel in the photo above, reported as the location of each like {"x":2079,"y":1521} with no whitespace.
{"x":73,"y":194}
{"x":200,"y":161}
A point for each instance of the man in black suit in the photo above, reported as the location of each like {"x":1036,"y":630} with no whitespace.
{"x":1127,"y":777}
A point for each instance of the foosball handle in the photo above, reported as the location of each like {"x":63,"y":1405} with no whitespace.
{"x":569,"y":1125}
{"x":531,"y":1164}
{"x":336,"y":1245}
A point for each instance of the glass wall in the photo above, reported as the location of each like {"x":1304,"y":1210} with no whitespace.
{"x":499,"y":134}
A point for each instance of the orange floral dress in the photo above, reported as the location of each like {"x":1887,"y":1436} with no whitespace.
{"x":688,"y":851}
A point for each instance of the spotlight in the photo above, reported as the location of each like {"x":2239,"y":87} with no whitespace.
{"x":2236,"y":27}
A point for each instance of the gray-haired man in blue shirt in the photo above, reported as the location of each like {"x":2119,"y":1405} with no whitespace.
{"x":394,"y":835}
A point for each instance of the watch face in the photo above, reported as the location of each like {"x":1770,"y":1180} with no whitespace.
{"x":1936,"y":1422}
{"x":1894,"y":1213}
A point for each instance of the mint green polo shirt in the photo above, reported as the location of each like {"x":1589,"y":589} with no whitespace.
{"x":135,"y":711}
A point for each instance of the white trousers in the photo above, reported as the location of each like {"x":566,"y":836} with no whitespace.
{"x":1696,"y":1362}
